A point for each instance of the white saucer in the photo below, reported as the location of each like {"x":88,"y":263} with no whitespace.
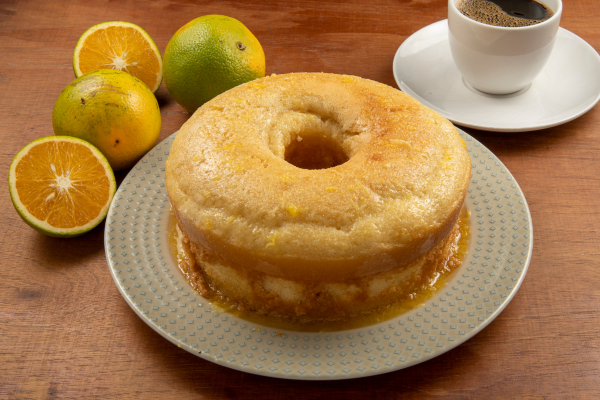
{"x":567,"y":88}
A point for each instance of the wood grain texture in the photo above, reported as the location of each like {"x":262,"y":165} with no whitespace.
{"x":65,"y":331}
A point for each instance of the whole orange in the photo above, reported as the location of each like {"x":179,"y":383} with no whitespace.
{"x":208,"y":56}
{"x":112,"y":110}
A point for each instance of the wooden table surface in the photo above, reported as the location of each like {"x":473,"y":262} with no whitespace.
{"x":66,"y":332}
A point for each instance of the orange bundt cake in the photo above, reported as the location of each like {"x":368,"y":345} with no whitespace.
{"x":316,"y":196}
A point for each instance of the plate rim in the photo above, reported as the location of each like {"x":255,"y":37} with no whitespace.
{"x":323,"y":377}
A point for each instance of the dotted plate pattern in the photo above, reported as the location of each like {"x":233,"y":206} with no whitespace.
{"x":146,"y":274}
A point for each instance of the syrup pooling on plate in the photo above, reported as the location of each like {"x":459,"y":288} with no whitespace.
{"x":431,"y":286}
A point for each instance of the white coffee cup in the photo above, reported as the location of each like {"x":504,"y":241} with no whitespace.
{"x":497,"y":59}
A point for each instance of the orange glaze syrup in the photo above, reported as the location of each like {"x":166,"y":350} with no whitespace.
{"x":418,"y":299}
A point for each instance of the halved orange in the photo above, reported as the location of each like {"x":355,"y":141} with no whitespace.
{"x":122,"y":46}
{"x":61,"y":186}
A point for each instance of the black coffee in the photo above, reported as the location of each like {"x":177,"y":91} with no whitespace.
{"x":509,"y":13}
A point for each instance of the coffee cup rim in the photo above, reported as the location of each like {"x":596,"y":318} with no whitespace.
{"x":557,"y":14}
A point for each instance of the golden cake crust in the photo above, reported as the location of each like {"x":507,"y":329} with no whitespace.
{"x":396,"y":197}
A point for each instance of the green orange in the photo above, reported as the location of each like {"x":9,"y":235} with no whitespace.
{"x":208,"y":56}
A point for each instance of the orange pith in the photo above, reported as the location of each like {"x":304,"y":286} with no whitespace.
{"x":122,"y":48}
{"x":62,"y":183}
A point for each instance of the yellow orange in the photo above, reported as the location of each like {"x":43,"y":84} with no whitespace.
{"x":112,"y":110}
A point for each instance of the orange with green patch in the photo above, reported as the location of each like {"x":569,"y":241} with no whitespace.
{"x":112,"y":110}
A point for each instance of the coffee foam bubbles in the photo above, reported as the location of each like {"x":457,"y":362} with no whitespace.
{"x":486,"y":12}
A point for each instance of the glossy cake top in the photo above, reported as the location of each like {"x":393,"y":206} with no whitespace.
{"x":317,"y":176}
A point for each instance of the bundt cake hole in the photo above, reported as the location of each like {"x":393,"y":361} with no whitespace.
{"x":315,"y":152}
